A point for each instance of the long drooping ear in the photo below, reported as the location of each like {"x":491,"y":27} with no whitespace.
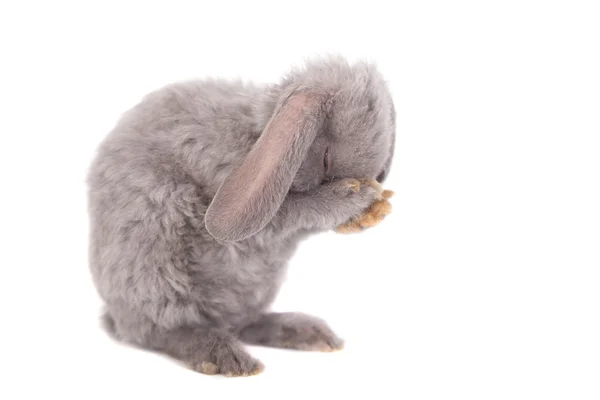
{"x":251,"y":195}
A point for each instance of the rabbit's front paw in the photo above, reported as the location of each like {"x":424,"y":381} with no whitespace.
{"x":375,"y":211}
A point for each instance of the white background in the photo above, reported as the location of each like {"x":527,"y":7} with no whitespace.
{"x":482,"y":284}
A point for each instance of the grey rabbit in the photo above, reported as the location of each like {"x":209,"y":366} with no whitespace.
{"x":201,"y":193}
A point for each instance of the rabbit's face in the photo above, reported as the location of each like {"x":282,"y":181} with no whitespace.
{"x":329,"y":120}
{"x":356,"y":141}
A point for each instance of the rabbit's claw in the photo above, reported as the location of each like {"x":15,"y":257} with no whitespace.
{"x":350,"y":186}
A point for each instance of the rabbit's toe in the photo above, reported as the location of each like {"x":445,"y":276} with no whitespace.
{"x":208,"y":368}
{"x":349,"y":185}
{"x":360,"y":185}
{"x":387,"y":194}
{"x":372,"y":183}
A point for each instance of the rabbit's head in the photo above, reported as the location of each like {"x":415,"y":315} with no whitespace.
{"x":328,"y":120}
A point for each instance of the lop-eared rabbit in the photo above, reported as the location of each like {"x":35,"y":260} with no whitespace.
{"x":201,"y":193}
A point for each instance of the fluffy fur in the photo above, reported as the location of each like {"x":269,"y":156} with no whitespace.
{"x":201,"y":193}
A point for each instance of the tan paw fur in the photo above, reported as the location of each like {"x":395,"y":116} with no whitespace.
{"x":208,"y":368}
{"x":372,"y":216}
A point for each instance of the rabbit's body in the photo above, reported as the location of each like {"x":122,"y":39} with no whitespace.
{"x":181,"y":278}
{"x":154,"y":179}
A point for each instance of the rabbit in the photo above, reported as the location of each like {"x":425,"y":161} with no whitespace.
{"x":202,"y":192}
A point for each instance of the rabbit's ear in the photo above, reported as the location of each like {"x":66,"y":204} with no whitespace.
{"x":251,"y":195}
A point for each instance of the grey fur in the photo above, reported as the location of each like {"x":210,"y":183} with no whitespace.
{"x":246,"y":162}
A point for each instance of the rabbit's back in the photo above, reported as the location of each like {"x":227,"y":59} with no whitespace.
{"x":196,"y":129}
{"x":149,"y":187}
